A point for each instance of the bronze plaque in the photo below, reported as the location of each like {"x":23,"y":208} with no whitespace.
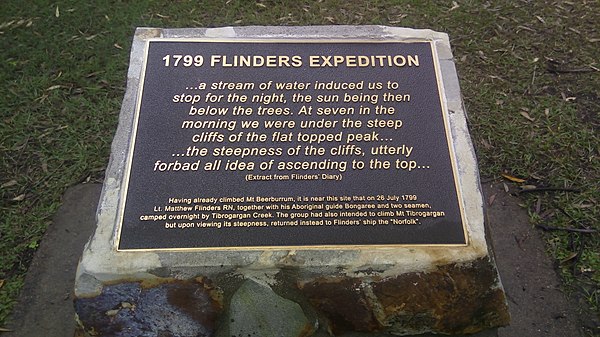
{"x":307,"y":144}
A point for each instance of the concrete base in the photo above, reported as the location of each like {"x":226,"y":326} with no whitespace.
{"x":45,"y":305}
{"x":404,"y":290}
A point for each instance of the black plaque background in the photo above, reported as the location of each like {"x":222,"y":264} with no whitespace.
{"x":159,"y":134}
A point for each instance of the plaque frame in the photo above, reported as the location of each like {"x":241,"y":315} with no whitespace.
{"x":123,"y":194}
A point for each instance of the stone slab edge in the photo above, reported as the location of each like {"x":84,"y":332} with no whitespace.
{"x":102,"y":264}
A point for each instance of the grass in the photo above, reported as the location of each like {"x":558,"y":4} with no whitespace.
{"x":63,"y":74}
{"x":528,"y":70}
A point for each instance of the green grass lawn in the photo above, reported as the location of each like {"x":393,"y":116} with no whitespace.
{"x":529,"y":73}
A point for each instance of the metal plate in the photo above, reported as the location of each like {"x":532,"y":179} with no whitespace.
{"x":227,"y":152}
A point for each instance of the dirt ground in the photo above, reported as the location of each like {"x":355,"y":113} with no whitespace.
{"x":537,"y":305}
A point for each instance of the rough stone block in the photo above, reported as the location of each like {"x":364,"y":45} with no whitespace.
{"x":172,"y":308}
{"x":255,"y":310}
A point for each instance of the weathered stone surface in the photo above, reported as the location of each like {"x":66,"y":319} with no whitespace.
{"x":343,"y":302}
{"x":453,"y":299}
{"x":175,"y":308}
{"x":255,"y":310}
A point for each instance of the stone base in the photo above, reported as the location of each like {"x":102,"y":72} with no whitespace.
{"x":453,"y":299}
{"x":356,"y":291}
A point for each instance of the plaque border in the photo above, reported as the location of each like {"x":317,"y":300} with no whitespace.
{"x":123,"y":193}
